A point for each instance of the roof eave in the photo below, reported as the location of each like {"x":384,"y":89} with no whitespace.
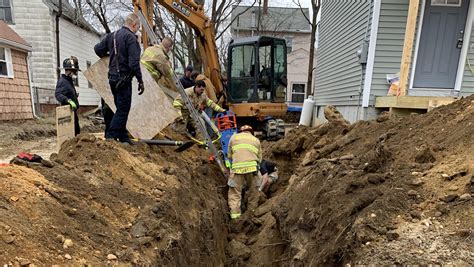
{"x":22,"y":47}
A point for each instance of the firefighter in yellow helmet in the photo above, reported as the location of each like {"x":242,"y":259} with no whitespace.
{"x":156,"y":60}
{"x":199,"y":100}
{"x":245,"y":152}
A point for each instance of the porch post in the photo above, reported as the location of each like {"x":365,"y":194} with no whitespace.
{"x":408,"y":45}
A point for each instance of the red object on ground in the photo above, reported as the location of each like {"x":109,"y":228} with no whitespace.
{"x":25,"y":156}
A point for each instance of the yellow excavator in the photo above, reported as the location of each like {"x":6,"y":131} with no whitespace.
{"x":256,"y":71}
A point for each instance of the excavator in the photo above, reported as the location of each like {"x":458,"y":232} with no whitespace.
{"x":256,"y":71}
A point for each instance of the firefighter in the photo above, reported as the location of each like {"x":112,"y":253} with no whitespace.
{"x":245,"y":153}
{"x":124,"y":50}
{"x":156,"y":60}
{"x":66,"y":92}
{"x":199,"y":100}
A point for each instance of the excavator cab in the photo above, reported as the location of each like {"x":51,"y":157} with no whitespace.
{"x":257,"y":70}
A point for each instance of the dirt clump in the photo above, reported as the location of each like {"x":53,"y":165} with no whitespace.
{"x":105,"y":202}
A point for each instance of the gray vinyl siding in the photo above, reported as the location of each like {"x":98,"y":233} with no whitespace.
{"x":390,"y":39}
{"x":342,"y":28}
{"x":467,"y":86}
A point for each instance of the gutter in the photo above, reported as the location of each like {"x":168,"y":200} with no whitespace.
{"x":58,"y":54}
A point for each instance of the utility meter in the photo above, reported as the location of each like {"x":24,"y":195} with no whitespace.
{"x":362,"y":52}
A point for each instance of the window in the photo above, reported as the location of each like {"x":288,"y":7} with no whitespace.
{"x":242,"y":72}
{"x":289,"y":44}
{"x":89,"y":84}
{"x":454,"y":3}
{"x":6,"y":11}
{"x":6,"y":65}
{"x":297,"y":92}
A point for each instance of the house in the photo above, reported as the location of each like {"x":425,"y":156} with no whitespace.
{"x":286,"y":23}
{"x":35,"y":20}
{"x":15,"y":93}
{"x":437,"y":62}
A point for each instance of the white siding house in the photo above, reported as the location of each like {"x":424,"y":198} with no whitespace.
{"x":35,"y":20}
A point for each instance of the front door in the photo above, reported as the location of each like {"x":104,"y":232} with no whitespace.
{"x":440,"y":43}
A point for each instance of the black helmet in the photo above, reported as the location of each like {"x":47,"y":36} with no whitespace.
{"x":71,"y":63}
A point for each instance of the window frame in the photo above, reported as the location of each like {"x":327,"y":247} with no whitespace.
{"x":9,"y":63}
{"x":289,"y":43}
{"x":298,"y":93}
{"x":11,"y":12}
{"x":446,"y":4}
{"x":89,"y":84}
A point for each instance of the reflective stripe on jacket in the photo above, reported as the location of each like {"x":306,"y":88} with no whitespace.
{"x":245,"y":152}
{"x":156,"y":61}
{"x":196,"y":100}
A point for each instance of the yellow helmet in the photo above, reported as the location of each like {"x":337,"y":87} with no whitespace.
{"x":246,"y":128}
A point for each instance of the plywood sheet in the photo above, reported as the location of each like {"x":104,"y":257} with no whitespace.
{"x":64,"y":124}
{"x":150,"y":113}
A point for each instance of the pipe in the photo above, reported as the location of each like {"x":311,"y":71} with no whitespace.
{"x":28,"y":67}
{"x":162,"y":142}
{"x":58,"y":54}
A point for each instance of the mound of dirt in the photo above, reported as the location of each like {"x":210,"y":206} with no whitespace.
{"x":104,"y":202}
{"x":389,"y":191}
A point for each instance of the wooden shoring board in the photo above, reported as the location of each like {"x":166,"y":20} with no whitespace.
{"x":408,"y":45}
{"x":410,"y":102}
{"x":64,"y":124}
{"x":150,"y":112}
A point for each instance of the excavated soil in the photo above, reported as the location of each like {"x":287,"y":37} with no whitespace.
{"x":389,"y":191}
{"x":114,"y":203}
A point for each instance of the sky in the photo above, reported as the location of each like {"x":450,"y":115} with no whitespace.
{"x":284,"y":3}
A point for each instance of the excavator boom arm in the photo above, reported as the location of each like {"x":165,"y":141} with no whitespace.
{"x":193,"y":15}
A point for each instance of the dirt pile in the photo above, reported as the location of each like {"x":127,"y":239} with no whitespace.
{"x":104,"y":202}
{"x":390,"y":191}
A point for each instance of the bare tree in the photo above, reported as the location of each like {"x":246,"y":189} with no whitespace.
{"x":107,"y":16}
{"x":315,"y":5}
{"x":104,"y":15}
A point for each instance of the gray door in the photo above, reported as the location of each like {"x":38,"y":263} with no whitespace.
{"x":440,"y":43}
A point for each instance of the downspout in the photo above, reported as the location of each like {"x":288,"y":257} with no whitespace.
{"x":30,"y":81}
{"x":364,"y":65}
{"x":58,"y":54}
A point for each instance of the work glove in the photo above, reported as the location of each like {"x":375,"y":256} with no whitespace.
{"x":141,"y":88}
{"x":72,"y":104}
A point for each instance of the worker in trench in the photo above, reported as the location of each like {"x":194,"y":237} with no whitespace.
{"x":268,"y":175}
{"x":66,"y":93}
{"x":156,"y":60}
{"x":244,"y":156}
{"x":199,"y":100}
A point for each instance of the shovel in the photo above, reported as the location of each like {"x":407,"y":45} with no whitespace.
{"x":182,"y":146}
